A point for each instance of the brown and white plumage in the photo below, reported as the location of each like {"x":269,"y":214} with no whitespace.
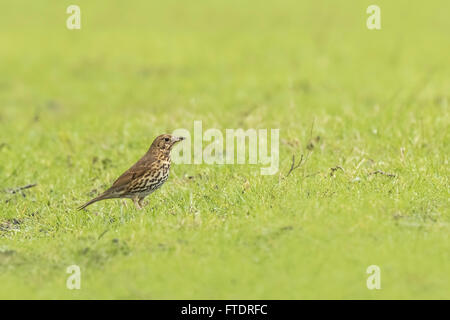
{"x":145,"y":176}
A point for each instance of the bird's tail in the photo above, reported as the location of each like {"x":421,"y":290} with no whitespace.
{"x":100,"y":197}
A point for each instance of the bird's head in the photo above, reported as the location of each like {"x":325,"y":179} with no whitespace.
{"x":165,"y":142}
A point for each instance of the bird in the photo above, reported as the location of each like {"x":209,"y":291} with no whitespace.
{"x":147,"y":175}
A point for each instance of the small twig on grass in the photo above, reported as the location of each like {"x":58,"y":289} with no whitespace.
{"x":300,"y":163}
{"x":16,"y":190}
{"x":302,"y":160}
{"x":384,"y":173}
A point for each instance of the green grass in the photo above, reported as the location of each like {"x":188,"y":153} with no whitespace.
{"x":77,"y":108}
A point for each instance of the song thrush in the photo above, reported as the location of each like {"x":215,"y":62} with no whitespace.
{"x":145,"y":176}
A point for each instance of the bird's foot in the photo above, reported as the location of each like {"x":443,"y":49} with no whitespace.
{"x":142,"y":203}
{"x":137,"y":203}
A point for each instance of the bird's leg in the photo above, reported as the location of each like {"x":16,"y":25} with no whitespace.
{"x":136,"y":203}
{"x":125,"y":203}
{"x":142,"y":203}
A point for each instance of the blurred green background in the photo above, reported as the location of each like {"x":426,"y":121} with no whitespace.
{"x":78,"y":107}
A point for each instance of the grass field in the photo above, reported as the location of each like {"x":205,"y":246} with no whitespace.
{"x":78,"y":107}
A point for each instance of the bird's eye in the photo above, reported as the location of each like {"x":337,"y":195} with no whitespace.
{"x":166,"y":139}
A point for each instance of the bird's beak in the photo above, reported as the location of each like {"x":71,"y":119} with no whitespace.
{"x":178,"y":139}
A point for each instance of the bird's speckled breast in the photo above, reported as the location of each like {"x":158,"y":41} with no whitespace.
{"x":153,"y":179}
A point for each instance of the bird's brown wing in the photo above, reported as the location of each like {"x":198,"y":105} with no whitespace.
{"x":135,"y":172}
{"x":125,"y":179}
